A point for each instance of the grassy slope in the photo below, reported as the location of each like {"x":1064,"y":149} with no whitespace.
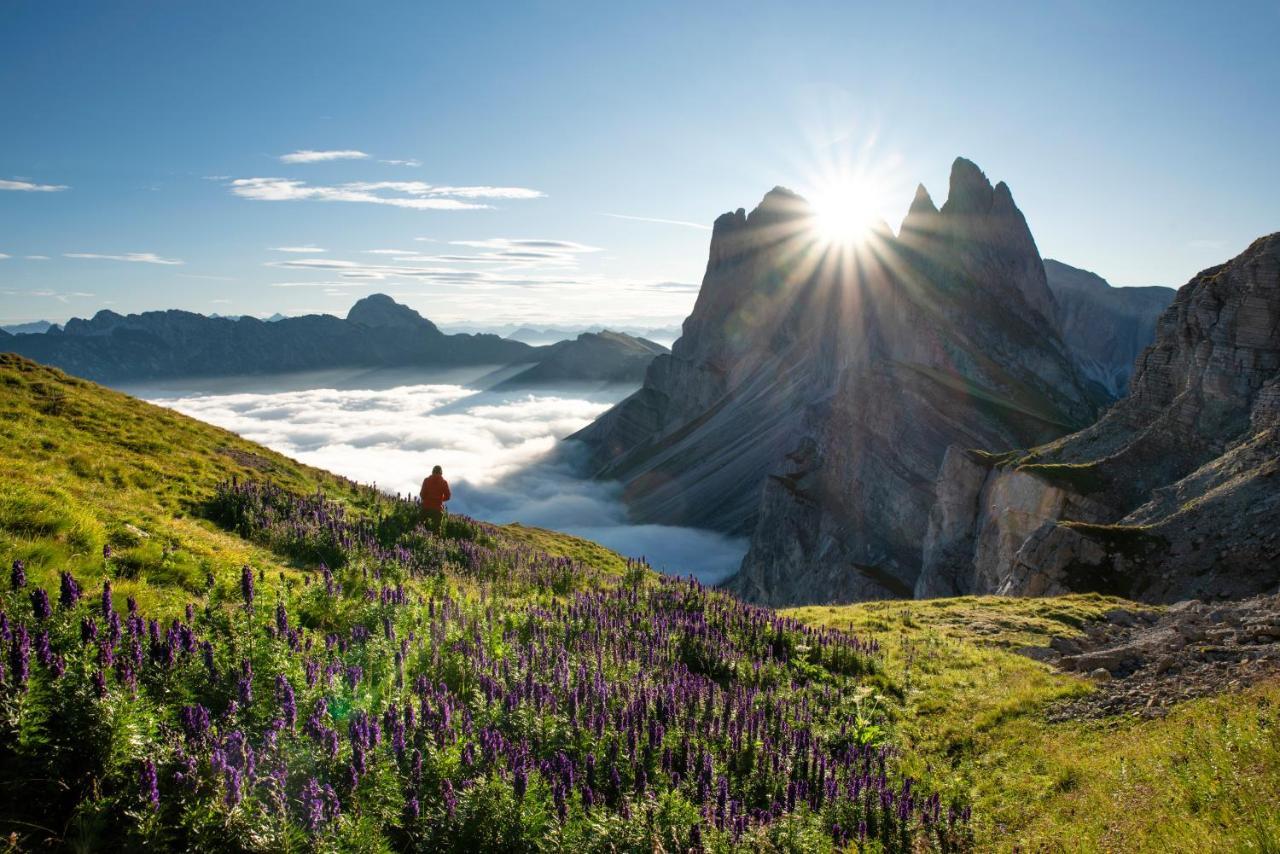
{"x":1206,"y":778}
{"x":86,"y":467}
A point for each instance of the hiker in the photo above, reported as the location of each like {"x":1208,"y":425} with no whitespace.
{"x":435,"y":492}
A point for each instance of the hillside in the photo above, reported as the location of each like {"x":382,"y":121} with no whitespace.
{"x":475,"y":691}
{"x":209,"y":647}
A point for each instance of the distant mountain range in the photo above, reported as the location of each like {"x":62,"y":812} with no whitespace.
{"x":35,"y":327}
{"x":377,"y":332}
{"x":815,"y":398}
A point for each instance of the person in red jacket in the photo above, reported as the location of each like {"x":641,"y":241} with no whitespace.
{"x":435,"y":492}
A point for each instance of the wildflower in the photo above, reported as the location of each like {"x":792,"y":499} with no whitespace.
{"x":40,"y":604}
{"x":70,"y":591}
{"x":149,"y":784}
{"x":246,"y":586}
{"x":18,"y":576}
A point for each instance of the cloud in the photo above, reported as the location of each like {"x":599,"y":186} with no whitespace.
{"x":297,"y":249}
{"x":306,"y":155}
{"x":410,"y":162}
{"x":501,"y":452}
{"x":36,"y":257}
{"x":60,"y":296}
{"x":508,"y":245}
{"x":136,"y":257}
{"x":685,"y":223}
{"x":29,"y":187}
{"x":414,"y":195}
{"x":3,"y":256}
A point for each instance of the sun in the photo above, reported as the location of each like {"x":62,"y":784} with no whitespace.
{"x":846,"y":211}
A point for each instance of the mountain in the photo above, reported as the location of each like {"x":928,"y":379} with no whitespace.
{"x":35,"y":327}
{"x":610,"y":357}
{"x":1174,"y":493}
{"x":1104,"y":327}
{"x":815,"y":389}
{"x":376,"y":332}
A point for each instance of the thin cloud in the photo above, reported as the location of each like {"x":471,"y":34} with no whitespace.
{"x":682,"y":222}
{"x":60,"y":296}
{"x":3,"y":256}
{"x":30,"y":187}
{"x":134,"y":257}
{"x":297,"y":249}
{"x":508,"y":245}
{"x":412,"y":161}
{"x":414,"y":195}
{"x":36,"y":257}
{"x":306,"y":155}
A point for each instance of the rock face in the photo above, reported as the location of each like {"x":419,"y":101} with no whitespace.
{"x":815,"y":388}
{"x":377,"y":332}
{"x":1105,"y":328}
{"x":1173,"y":494}
{"x":604,"y":357}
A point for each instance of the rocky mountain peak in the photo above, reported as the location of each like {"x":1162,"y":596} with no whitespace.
{"x":922,"y":214}
{"x":969,"y":191}
{"x":380,"y":310}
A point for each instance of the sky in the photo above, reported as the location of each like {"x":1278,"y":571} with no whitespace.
{"x":562,"y":162}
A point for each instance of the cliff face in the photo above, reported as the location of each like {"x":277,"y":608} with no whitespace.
{"x":815,"y":389}
{"x":1104,"y":327}
{"x":1174,"y":493}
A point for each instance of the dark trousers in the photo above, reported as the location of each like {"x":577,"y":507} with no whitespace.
{"x":433,"y":519}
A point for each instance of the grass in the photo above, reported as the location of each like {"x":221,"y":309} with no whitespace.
{"x":85,"y":467}
{"x":972,"y":715}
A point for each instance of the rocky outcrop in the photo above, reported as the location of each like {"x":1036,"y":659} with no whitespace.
{"x":111,"y":347}
{"x":598,"y":357}
{"x":815,"y":389}
{"x":1172,"y":494}
{"x":1104,"y":327}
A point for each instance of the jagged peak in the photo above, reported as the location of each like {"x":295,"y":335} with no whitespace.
{"x":922,"y":202}
{"x":969,"y":190}
{"x":921,"y":214}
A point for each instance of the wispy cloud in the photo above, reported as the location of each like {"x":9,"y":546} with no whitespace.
{"x":3,"y":256}
{"x":306,"y":155}
{"x":30,"y":187}
{"x":414,"y":195}
{"x":36,"y":257}
{"x":682,"y":222}
{"x":60,"y":296}
{"x":504,"y":244}
{"x":298,"y":249}
{"x":412,"y":161}
{"x":135,"y":257}
{"x":210,"y":278}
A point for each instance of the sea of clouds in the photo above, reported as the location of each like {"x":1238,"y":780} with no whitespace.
{"x":500,"y":450}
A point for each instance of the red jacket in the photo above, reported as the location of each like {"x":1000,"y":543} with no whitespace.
{"x":435,"y":492}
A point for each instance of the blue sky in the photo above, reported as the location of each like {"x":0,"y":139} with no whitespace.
{"x":1139,"y":139}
